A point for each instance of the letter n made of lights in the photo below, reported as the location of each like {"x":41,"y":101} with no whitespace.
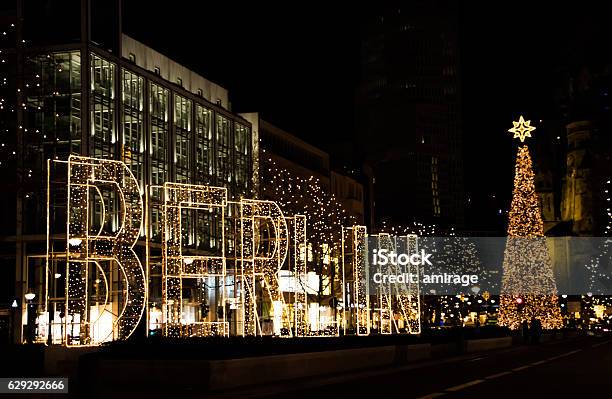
{"x":408,"y":293}
{"x":385,"y":241}
{"x":398,"y":298}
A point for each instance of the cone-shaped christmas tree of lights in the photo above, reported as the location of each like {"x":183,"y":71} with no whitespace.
{"x":528,"y":284}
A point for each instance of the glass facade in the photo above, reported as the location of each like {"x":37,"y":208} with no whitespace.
{"x":224,"y":151}
{"x":182,"y":145}
{"x":103,"y":131}
{"x":204,"y":168}
{"x":8,"y":144}
{"x":161,"y":134}
{"x":242,"y":145}
{"x":132,"y":119}
{"x":52,"y":122}
{"x":182,"y":159}
{"x":54,"y":102}
{"x":204,"y":147}
{"x":103,"y":127}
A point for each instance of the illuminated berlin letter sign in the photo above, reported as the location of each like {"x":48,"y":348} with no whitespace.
{"x":106,"y":285}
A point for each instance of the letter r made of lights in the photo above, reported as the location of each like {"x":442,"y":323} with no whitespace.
{"x":178,"y":199}
{"x":263,"y":251}
{"x":84,"y":246}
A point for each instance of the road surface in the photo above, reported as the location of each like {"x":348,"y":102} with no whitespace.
{"x":559,"y":369}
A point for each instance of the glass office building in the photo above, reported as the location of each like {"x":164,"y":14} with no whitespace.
{"x":86,"y":88}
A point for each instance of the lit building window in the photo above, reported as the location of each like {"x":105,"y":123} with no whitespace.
{"x":182,"y":125}
{"x":182,"y":158}
{"x":242,"y":154}
{"x":158,"y":150}
{"x":103,"y":136}
{"x":132,"y":118}
{"x":204,"y":150}
{"x":103,"y":129}
{"x":224,"y":153}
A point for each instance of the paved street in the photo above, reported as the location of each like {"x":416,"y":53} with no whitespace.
{"x":559,"y":369}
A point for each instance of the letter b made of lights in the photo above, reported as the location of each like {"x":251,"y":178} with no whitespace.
{"x":104,"y":213}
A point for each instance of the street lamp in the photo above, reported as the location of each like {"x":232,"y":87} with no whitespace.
{"x":29,"y":296}
{"x":14,"y":307}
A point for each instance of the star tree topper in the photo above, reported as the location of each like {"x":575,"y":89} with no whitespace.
{"x":522,"y":129}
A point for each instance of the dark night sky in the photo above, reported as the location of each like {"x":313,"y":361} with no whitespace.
{"x":298,"y":64}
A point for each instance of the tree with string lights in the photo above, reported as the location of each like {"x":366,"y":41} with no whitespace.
{"x":528,"y":285}
{"x":325,"y":216}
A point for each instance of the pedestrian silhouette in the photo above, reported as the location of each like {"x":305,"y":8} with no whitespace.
{"x":536,"y":330}
{"x":525,"y":332}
